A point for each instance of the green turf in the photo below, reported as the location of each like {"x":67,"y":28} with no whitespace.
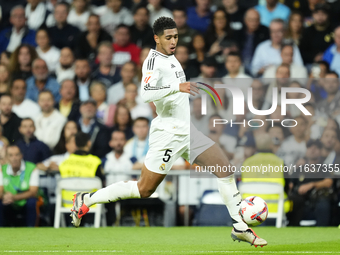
{"x":157,"y":240}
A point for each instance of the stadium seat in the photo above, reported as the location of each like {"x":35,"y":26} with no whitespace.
{"x":78,"y":185}
{"x":267,"y":188}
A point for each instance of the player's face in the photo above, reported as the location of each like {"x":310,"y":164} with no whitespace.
{"x":168,"y":41}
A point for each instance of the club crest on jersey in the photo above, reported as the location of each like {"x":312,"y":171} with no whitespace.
{"x":162,"y":167}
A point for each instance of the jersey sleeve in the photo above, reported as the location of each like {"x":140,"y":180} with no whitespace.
{"x":152,"y":89}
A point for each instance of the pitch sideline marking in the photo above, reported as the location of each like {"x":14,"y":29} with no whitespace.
{"x":116,"y":251}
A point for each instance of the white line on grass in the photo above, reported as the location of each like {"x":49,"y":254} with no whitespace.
{"x":116,"y":251}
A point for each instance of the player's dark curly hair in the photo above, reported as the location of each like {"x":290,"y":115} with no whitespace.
{"x":162,"y":24}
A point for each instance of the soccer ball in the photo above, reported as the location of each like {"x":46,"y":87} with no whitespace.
{"x":253,"y":211}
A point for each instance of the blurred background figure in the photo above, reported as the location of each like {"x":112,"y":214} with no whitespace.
{"x":18,"y":196}
{"x":50,"y":121}
{"x":46,"y":51}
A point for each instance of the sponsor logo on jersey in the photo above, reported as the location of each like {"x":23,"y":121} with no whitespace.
{"x":162,"y":167}
{"x":173,"y":66}
{"x":146,"y":80}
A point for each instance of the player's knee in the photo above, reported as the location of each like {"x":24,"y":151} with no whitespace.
{"x":145,"y":192}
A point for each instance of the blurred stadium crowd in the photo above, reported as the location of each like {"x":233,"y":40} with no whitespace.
{"x":75,"y":66}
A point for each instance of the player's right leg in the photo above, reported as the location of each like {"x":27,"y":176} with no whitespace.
{"x":143,"y":188}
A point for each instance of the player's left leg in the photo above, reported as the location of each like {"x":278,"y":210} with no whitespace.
{"x":229,"y":193}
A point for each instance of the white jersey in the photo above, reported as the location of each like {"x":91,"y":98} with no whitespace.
{"x":162,"y":75}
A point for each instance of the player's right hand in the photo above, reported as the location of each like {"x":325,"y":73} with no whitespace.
{"x":189,"y":87}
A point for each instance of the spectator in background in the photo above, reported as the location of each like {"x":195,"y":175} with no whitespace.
{"x":272,"y":10}
{"x":11,"y":38}
{"x":123,"y":121}
{"x":281,"y":80}
{"x":141,"y":32}
{"x":88,"y":41}
{"x":157,"y":10}
{"x":328,"y":139}
{"x":252,"y":34}
{"x":115,"y":15}
{"x":190,"y":68}
{"x":50,"y":122}
{"x":21,"y":61}
{"x":65,"y":68}
{"x":63,"y":34}
{"x":36,"y":13}
{"x":295,"y":27}
{"x":296,"y":71}
{"x":124,"y":49}
{"x":137,"y":147}
{"x":6,"y":8}
{"x":227,"y":142}
{"x":332,"y":54}
{"x":117,"y":91}
{"x":330,"y":106}
{"x":311,"y":195}
{"x":294,"y":146}
{"x":4,"y":143}
{"x":315,"y":84}
{"x":199,"y":51}
{"x":106,"y":72}
{"x":41,"y":81}
{"x":32,"y":149}
{"x":236,"y":14}
{"x":4,"y":79}
{"x":52,"y":163}
{"x":105,"y":112}
{"x":18,"y":197}
{"x":218,"y":32}
{"x":136,"y":109}
{"x":70,"y":129}
{"x":185,"y":33}
{"x":208,"y":68}
{"x":268,"y":52}
{"x":235,"y":74}
{"x":318,"y":37}
{"x":199,"y":16}
{"x":83,"y":78}
{"x":23,"y":107}
{"x":90,"y":125}
{"x":9,"y":121}
{"x":79,"y":14}
{"x":46,"y":51}
{"x":117,"y":160}
{"x":4,"y":57}
{"x":69,"y":104}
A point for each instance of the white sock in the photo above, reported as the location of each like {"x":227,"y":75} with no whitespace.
{"x":116,"y":191}
{"x":232,"y":198}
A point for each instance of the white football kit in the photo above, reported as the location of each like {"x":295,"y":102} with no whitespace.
{"x":170,"y":131}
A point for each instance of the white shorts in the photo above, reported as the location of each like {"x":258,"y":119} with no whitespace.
{"x":165,"y":148}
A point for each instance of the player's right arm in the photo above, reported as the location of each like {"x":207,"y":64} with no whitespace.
{"x":151,"y":92}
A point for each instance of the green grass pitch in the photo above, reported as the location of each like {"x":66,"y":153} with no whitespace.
{"x":158,"y":240}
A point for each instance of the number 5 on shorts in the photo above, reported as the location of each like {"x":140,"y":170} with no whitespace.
{"x":167,"y":155}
